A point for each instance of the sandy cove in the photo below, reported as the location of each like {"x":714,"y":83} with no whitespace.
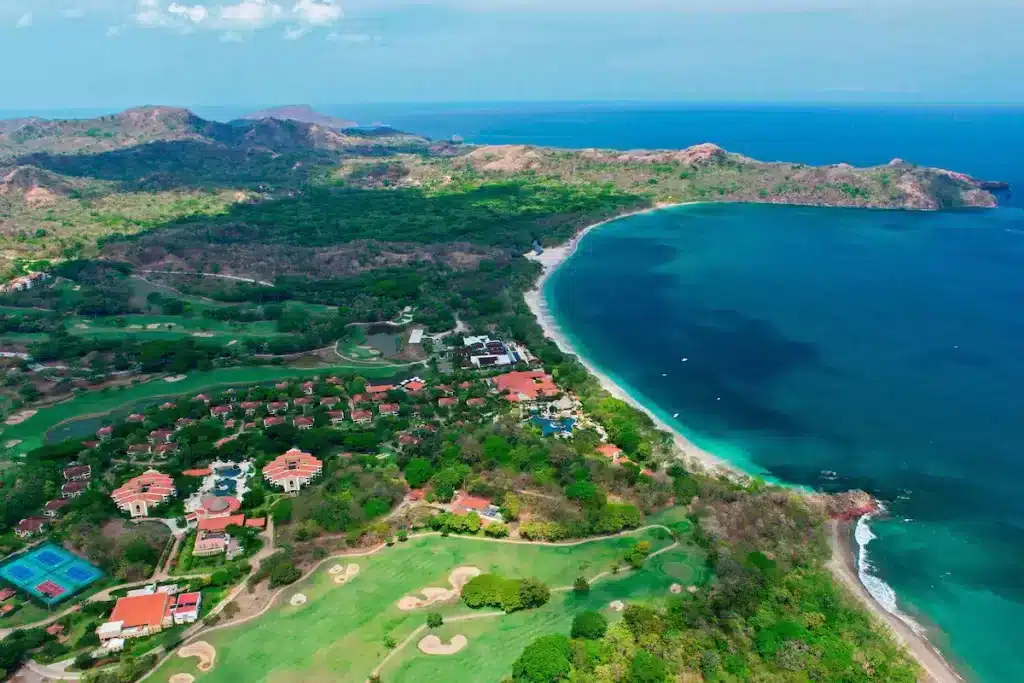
{"x":550,"y":260}
{"x":843,"y":565}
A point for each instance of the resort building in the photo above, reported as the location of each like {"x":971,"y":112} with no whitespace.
{"x":212,"y":537}
{"x":144,"y":614}
{"x":250,"y":407}
{"x":362,"y":416}
{"x":388,"y":409}
{"x":336,"y":416}
{"x":160,"y":435}
{"x":303,"y":402}
{"x":521,"y":387}
{"x":330,"y":401}
{"x":137,"y":496}
{"x":73,"y":489}
{"x":136,"y":417}
{"x":275,"y":407}
{"x":271,"y":421}
{"x":304,"y":423}
{"x":292,"y":470}
{"x":220,"y":411}
{"x":53,"y":507}
{"x":30,"y":526}
{"x":610,"y":451}
{"x":104,"y":433}
{"x":484,"y":352}
{"x":78,"y":473}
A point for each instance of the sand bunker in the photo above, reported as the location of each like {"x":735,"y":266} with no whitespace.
{"x":676,"y":588}
{"x":201,"y":650}
{"x":81,"y":326}
{"x":12,"y":443}
{"x":616,"y":605}
{"x":157,"y":326}
{"x":135,"y":327}
{"x":459,"y":577}
{"x":232,"y":342}
{"x":174,"y":378}
{"x":202,"y":334}
{"x":432,"y":645}
{"x":692,"y":589}
{"x":344,"y":574}
{"x":297,"y":599}
{"x":19,"y":417}
{"x":181,"y":678}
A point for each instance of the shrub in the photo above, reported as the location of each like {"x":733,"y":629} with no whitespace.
{"x":646,"y":668}
{"x":389,"y":642}
{"x":434,"y":620}
{"x":581,"y":585}
{"x":403,"y":536}
{"x":511,"y":595}
{"x":545,"y":660}
{"x":496,"y":530}
{"x":590,"y":625}
{"x":283,"y":574}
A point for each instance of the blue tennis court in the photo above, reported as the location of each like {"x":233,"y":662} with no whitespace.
{"x":49,"y":573}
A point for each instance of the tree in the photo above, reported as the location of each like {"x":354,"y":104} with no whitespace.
{"x":545,"y":660}
{"x":284,"y":573}
{"x":646,"y":668}
{"x":418,"y":472}
{"x":590,"y":625}
{"x":282,"y":512}
{"x":510,"y":507}
{"x":533,"y":592}
{"x":434,"y":620}
{"x":581,"y":585}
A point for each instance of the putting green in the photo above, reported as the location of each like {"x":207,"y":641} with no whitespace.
{"x":338,"y":635}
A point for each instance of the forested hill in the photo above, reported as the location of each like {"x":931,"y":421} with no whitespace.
{"x":163,"y":171}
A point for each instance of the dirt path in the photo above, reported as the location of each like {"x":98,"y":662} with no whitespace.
{"x":934,"y":667}
{"x":224,"y":277}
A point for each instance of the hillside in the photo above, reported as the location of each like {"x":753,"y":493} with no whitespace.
{"x":64,"y":184}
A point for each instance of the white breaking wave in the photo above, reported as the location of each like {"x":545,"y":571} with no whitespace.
{"x":882,"y":592}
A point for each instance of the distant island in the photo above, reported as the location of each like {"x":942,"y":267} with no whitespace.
{"x":302,"y":113}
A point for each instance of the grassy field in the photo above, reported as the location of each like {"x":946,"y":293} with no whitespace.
{"x":338,"y":635}
{"x":32,"y":431}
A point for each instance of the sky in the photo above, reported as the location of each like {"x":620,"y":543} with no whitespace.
{"x":110,"y":54}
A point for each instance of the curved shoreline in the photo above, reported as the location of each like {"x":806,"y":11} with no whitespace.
{"x":933,"y":664}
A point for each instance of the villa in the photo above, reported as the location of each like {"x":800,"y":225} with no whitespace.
{"x":379,"y":388}
{"x":304,"y":423}
{"x":165,"y":448}
{"x":292,"y":470}
{"x":447,"y":402}
{"x":104,"y":432}
{"x":220,"y":411}
{"x":77,"y":473}
{"x":250,"y":407}
{"x":136,"y":616}
{"x":158,"y":435}
{"x":336,"y":416}
{"x":135,"y":417}
{"x":140,"y":449}
{"x":362,"y":416}
{"x":271,"y":421}
{"x":388,"y":409}
{"x":303,"y":402}
{"x":73,"y":489}
{"x":147,"y":490}
{"x":53,"y":507}
{"x":201,"y":397}
{"x":212,"y":537}
{"x":307,"y":388}
{"x":30,"y":526}
{"x":330,"y":401}
{"x":610,"y":451}
{"x":275,"y":407}
{"x":476,"y":402}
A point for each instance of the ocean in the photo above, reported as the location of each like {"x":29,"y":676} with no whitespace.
{"x":825,"y":347}
{"x":830,"y":348}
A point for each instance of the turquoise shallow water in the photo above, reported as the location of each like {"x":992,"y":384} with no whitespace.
{"x":883,"y":347}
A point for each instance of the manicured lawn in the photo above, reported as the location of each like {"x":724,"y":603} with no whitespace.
{"x":338,"y":635}
{"x":33,"y":430}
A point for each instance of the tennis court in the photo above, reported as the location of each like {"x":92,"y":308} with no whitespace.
{"x":49,"y":573}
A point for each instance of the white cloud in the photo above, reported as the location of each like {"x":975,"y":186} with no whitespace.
{"x":113,"y":31}
{"x":251,"y":13}
{"x":25,"y":21}
{"x":230,"y":37}
{"x":317,"y":13}
{"x":73,"y":13}
{"x":196,"y":14}
{"x":295,"y":32}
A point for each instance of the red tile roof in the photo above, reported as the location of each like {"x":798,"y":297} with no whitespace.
{"x":251,"y":405}
{"x":294,"y":463}
{"x":408,"y":440}
{"x":414,"y":386}
{"x":198,"y":472}
{"x":271,"y":421}
{"x":303,"y":401}
{"x":471,"y":502}
{"x":256,"y":522}
{"x":303,"y":421}
{"x":609,"y":450}
{"x":136,"y":417}
{"x":7,"y":594}
{"x":526,"y":385}
{"x":388,"y":408}
{"x":360,"y":415}
{"x":476,"y":402}
{"x":165,"y":448}
{"x":151,"y":487}
{"x":104,"y":431}
{"x":220,"y":523}
{"x":330,"y":401}
{"x":31,"y":524}
{"x":447,"y":402}
{"x":142,"y":610}
{"x":379,"y":388}
{"x":220,"y":410}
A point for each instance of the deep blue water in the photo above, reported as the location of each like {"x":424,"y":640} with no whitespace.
{"x":883,"y":346}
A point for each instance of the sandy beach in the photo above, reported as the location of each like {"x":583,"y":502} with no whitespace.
{"x":844,"y":567}
{"x":843,"y":564}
